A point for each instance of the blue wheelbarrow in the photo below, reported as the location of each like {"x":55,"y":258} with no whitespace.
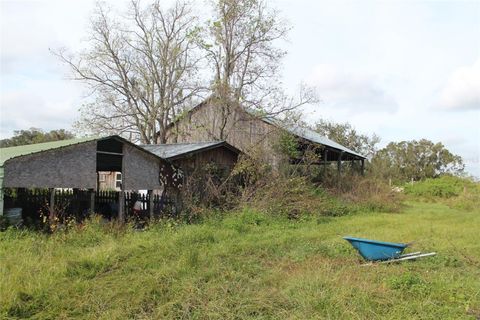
{"x":373,"y":250}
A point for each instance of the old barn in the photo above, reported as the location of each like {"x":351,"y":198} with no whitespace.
{"x":248,"y":132}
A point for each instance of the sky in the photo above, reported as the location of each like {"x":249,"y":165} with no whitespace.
{"x":401,"y":69}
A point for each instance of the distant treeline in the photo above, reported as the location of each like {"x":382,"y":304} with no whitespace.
{"x":35,"y":135}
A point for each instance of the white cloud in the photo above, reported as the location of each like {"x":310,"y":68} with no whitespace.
{"x":462,"y":91}
{"x":354,"y":92}
{"x":41,"y":104}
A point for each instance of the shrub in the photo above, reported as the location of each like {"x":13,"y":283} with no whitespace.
{"x":443,"y":187}
{"x":367,"y":194}
{"x":456,"y":192}
{"x":469,"y":200}
{"x":293,"y":197}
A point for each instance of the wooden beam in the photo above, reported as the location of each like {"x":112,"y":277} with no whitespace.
{"x":339,"y":167}
{"x":91,"y":194}
{"x":110,"y":153}
{"x":325,"y":154}
{"x":339,"y":162}
{"x":51,"y":206}
{"x":362,"y":168}
{"x":150,"y":204}
{"x":121,"y":196}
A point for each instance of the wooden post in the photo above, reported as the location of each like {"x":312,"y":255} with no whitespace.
{"x":121,"y":205}
{"x":98,"y":181}
{"x":325,"y":154}
{"x":339,"y":168}
{"x":91,"y":207}
{"x":121,"y":196}
{"x":362,"y":168}
{"x":150,"y":204}
{"x":339,"y":163}
{"x":51,"y":206}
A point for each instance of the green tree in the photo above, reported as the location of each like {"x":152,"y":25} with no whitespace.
{"x":417,"y":160}
{"x":34,"y":135}
{"x":347,"y":135}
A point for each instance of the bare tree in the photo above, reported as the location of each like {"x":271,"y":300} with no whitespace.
{"x":142,"y":68}
{"x":240,"y":47}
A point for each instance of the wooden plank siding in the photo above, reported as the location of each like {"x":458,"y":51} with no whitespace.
{"x":220,"y":157}
{"x":242,"y":130}
{"x":108,"y":180}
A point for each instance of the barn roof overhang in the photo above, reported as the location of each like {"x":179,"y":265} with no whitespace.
{"x":298,"y":131}
{"x":306,"y":135}
{"x":175,"y":151}
{"x":18,"y":151}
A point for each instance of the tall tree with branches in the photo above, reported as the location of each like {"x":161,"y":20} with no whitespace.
{"x":348,"y":136}
{"x":240,"y":46}
{"x":143,"y":70}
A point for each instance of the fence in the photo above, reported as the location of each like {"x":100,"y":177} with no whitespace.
{"x":77,"y":203}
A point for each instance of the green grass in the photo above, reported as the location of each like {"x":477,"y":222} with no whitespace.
{"x":442,"y":187}
{"x":246,"y":265}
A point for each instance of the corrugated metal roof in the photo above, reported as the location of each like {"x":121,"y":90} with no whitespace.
{"x":293,"y":129}
{"x":173,"y":150}
{"x":318,"y":138}
{"x":312,"y":136}
{"x":13,"y":152}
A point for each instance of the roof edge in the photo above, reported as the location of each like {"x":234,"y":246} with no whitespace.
{"x":215,"y":144}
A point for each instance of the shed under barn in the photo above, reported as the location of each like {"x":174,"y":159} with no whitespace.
{"x":75,"y":164}
{"x":193,"y":156}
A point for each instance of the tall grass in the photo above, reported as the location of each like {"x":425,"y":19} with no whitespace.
{"x":246,"y":265}
{"x":457,"y":192}
{"x":294,"y":197}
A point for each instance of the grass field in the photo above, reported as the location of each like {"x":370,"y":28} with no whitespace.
{"x":246,"y":265}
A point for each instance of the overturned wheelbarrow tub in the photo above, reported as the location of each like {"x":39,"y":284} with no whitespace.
{"x":386,"y":252}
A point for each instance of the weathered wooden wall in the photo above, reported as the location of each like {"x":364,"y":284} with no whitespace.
{"x":221,"y":157}
{"x":110,"y":181}
{"x":242,"y":130}
{"x":72,"y":166}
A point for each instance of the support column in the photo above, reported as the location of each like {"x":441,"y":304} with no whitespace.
{"x":121,"y":196}
{"x":91,"y":195}
{"x":339,"y":168}
{"x":51,"y":206}
{"x":150,"y":204}
{"x":325,"y":154}
{"x":339,"y":163}
{"x":121,"y":205}
{"x":362,"y":167}
{"x":1,"y":201}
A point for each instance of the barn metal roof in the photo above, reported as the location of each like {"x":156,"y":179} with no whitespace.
{"x":13,"y":152}
{"x":301,"y":132}
{"x":312,"y":136}
{"x":178,"y":150}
